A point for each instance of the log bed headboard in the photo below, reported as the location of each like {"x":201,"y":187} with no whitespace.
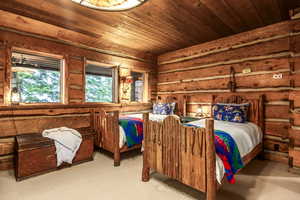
{"x":180,"y":101}
{"x":256,"y":109}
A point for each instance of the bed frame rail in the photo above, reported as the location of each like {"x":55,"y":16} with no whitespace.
{"x":106,"y":126}
{"x":183,"y":153}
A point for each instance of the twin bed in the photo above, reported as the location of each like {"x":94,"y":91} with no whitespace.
{"x":114,"y":136}
{"x":189,"y":153}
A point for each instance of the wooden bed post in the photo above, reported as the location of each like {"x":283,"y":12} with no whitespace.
{"x":146,"y":168}
{"x":211,"y":184}
{"x":116,"y":136}
{"x":184,"y":105}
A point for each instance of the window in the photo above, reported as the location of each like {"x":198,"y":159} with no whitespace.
{"x":99,"y":83}
{"x":35,"y":78}
{"x":137,"y":86}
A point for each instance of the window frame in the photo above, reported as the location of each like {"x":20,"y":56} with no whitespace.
{"x":115,"y":82}
{"x":145,"y":86}
{"x":62,"y":72}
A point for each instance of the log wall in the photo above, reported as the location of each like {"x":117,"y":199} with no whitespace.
{"x":204,"y":69}
{"x":73,"y":112}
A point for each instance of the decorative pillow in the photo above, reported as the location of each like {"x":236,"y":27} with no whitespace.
{"x":231,"y":112}
{"x":162,"y":108}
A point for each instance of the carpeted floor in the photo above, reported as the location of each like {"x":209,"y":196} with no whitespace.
{"x":99,"y":180}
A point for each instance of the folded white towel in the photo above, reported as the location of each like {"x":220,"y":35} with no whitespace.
{"x":67,"y":142}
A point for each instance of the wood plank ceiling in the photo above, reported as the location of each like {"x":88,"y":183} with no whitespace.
{"x":158,"y":26}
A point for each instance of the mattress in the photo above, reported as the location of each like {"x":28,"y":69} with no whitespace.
{"x":246,"y":135}
{"x":153,"y":117}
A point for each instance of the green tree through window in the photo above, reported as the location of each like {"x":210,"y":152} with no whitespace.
{"x":39,"y":86}
{"x":98,"y":88}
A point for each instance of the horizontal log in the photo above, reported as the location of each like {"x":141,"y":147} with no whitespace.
{"x":278,"y":103}
{"x":274,"y":145}
{"x":76,"y":79}
{"x":75,"y":87}
{"x":276,"y":156}
{"x":48,"y":112}
{"x":251,"y":82}
{"x":109,"y":106}
{"x":76,"y":93}
{"x":279,"y":129}
{"x":234,"y":55}
{"x":25,"y":41}
{"x":226,"y":76}
{"x":229,"y":62}
{"x":6,"y":162}
{"x":198,"y":103}
{"x":255,"y":66}
{"x":7,"y":146}
{"x":36,"y":124}
{"x":75,"y":64}
{"x":295,"y":119}
{"x":276,"y":138}
{"x":135,"y":112}
{"x":280,"y":89}
{"x":271,"y":111}
{"x":256,"y":36}
{"x":295,"y":127}
{"x":295,"y":14}
{"x":295,"y":99}
{"x":280,"y":98}
{"x":294,"y":134}
{"x":75,"y":101}
{"x":296,"y":111}
{"x":295,"y":154}
{"x":295,"y":40}
{"x":277,"y":120}
{"x":277,"y":111}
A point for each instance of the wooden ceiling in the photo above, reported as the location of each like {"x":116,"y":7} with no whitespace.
{"x":158,"y":26}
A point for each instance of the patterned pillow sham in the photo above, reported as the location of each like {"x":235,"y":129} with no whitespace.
{"x":162,"y":108}
{"x":231,"y":112}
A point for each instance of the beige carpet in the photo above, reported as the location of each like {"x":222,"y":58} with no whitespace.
{"x":99,"y":180}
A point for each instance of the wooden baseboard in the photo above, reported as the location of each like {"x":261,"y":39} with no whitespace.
{"x":294,"y":170}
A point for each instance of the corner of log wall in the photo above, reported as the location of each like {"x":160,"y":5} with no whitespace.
{"x":203,"y":70}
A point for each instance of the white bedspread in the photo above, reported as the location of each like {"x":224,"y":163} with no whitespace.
{"x":153,"y":117}
{"x":246,"y":135}
{"x":67,"y":141}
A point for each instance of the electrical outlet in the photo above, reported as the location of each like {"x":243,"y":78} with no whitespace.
{"x":246,"y":70}
{"x":277,"y":76}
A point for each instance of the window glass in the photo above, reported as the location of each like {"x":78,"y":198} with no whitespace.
{"x":137,"y":86}
{"x":98,"y":83}
{"x":35,"y":78}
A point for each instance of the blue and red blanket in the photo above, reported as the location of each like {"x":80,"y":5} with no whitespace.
{"x":228,"y":152}
{"x":133,"y":128}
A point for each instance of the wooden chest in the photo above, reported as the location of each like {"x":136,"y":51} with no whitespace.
{"x":36,"y":154}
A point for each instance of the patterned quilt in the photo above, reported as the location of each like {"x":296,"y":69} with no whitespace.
{"x":133,"y":128}
{"x":228,"y":152}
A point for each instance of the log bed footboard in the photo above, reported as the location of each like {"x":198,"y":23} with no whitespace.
{"x":183,"y":153}
{"x":106,"y":126}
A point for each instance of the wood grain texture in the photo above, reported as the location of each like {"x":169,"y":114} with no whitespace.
{"x":202,"y":70}
{"x":36,"y":154}
{"x":136,"y":30}
{"x":187,"y":154}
